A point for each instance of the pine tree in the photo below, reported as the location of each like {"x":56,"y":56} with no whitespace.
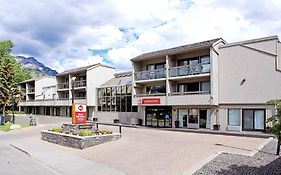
{"x":11,"y":73}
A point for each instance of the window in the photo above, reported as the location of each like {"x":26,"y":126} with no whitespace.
{"x":108,"y":91}
{"x":129,"y":90}
{"x":234,"y":117}
{"x":156,"y":66}
{"x":205,"y":59}
{"x":123,"y":90}
{"x":205,"y":86}
{"x":191,"y":87}
{"x":123,"y":104}
{"x":155,"y":89}
{"x":134,"y":108}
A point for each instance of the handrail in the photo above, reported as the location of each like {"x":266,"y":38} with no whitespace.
{"x":150,"y":74}
{"x":149,"y":95}
{"x":189,"y":93}
{"x":189,"y":70}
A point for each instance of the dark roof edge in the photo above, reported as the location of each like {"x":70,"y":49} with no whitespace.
{"x":274,"y":37}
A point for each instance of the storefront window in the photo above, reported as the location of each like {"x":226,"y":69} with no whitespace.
{"x":234,"y":117}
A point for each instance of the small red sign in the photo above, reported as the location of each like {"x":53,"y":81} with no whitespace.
{"x":150,"y":101}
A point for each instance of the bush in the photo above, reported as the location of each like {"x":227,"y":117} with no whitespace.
{"x":56,"y":130}
{"x":85,"y":132}
{"x":105,"y":131}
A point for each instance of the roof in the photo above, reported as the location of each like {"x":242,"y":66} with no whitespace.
{"x":177,"y":50}
{"x":275,"y":37}
{"x":35,"y":79}
{"x":85,"y":68}
{"x":120,"y":79}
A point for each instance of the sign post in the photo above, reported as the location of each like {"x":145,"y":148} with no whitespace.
{"x":79,"y":114}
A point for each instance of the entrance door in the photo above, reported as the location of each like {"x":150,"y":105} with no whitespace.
{"x":182,"y":116}
{"x":158,"y":116}
{"x":253,"y":119}
{"x":204,"y":118}
{"x":193,"y":117}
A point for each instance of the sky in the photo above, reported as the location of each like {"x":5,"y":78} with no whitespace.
{"x":65,"y":34}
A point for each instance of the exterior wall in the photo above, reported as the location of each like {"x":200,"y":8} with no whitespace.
{"x":262,"y":82}
{"x":223,"y":114}
{"x":278,"y":59}
{"x":96,"y":77}
{"x":124,"y":117}
{"x":40,"y":84}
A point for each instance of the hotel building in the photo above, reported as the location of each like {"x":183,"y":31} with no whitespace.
{"x":210,"y":84}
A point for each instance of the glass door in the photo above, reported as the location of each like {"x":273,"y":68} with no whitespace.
{"x":182,"y":116}
{"x":204,"y":121}
{"x":193,"y":117}
{"x":253,"y":119}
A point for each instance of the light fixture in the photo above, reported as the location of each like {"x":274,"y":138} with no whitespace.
{"x":73,"y":78}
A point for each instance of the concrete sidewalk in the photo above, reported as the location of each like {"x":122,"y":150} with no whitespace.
{"x":53,"y":159}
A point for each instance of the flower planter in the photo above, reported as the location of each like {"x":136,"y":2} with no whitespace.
{"x":77,"y":142}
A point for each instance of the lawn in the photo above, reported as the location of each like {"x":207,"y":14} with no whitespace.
{"x":6,"y":127}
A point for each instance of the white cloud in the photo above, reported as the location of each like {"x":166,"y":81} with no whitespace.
{"x":60,"y":33}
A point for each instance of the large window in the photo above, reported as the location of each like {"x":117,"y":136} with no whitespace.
{"x":234,"y":117}
{"x":116,"y":99}
{"x":203,"y":87}
{"x":155,"y":89}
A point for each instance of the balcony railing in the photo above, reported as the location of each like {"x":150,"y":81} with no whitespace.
{"x":63,"y":85}
{"x":150,"y":95}
{"x":150,"y":74}
{"x":190,"y":93}
{"x":189,"y":70}
{"x":80,"y":83}
{"x":31,"y":90}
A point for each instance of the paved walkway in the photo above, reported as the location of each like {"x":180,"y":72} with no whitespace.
{"x":139,"y":151}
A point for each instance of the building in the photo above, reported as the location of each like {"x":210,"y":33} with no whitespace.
{"x":210,"y":84}
{"x":53,"y":96}
{"x":115,"y":100}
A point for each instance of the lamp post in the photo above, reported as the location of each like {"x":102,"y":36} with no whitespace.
{"x":72,"y":94}
{"x":13,"y":108}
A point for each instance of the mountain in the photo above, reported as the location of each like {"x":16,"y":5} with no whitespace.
{"x":36,"y":68}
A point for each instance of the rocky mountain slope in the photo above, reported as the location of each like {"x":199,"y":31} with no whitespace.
{"x":36,"y":68}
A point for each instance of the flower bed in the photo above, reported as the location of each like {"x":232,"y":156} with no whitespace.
{"x":78,"y":139}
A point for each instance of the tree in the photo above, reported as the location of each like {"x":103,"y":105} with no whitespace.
{"x":276,"y":122}
{"x":11,"y":74}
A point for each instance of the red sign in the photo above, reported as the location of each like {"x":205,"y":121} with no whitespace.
{"x":80,"y":114}
{"x":150,"y":101}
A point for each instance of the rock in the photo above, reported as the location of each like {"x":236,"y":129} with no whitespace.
{"x":15,"y":126}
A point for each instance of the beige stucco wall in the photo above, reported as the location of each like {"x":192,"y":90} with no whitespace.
{"x":96,"y":77}
{"x":40,"y":84}
{"x":262,"y":80}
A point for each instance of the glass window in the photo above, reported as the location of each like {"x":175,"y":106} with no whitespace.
{"x":234,"y":117}
{"x":104,"y":104}
{"x":113,"y":91}
{"x":108,"y":91}
{"x":134,"y":108}
{"x":129,"y":90}
{"x":205,"y":86}
{"x":150,"y":67}
{"x":182,"y":62}
{"x":129,"y":104}
{"x":259,"y":119}
{"x":192,"y":87}
{"x":160,"y":66}
{"x":118,"y":104}
{"x":123,"y":104}
{"x":194,"y":61}
{"x":193,"y":115}
{"x":113,"y":103}
{"x":118,"y":90}
{"x":123,"y":90}
{"x":205,"y":59}
{"x":181,"y":88}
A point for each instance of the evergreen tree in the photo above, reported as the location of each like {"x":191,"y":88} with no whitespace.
{"x":11,"y":74}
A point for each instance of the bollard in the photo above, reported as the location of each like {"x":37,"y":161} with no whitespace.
{"x":97,"y":126}
{"x":120,"y":129}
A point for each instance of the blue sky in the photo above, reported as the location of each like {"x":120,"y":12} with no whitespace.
{"x":71,"y":33}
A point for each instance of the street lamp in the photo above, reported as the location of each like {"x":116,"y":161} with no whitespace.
{"x":72,"y":94}
{"x":72,"y":85}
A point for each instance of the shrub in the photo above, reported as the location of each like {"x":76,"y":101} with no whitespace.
{"x":85,"y":132}
{"x":105,"y":131}
{"x":56,"y":130}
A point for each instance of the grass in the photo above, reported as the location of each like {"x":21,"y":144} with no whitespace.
{"x":6,"y":127}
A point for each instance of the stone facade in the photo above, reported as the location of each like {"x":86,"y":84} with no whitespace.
{"x":77,"y":142}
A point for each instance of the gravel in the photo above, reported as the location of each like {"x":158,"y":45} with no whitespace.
{"x":264,"y":162}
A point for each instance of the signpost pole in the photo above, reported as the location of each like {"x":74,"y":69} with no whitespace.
{"x":73,"y":104}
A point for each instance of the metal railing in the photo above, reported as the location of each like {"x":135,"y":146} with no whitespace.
{"x":190,"y":93}
{"x":150,"y":74}
{"x":63,"y":85}
{"x":150,"y":95}
{"x":80,"y":83}
{"x":31,"y":90}
{"x":189,"y":70}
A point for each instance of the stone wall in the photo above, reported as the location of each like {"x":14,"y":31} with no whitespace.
{"x":77,"y":142}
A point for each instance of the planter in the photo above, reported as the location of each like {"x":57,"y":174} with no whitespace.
{"x":77,"y":142}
